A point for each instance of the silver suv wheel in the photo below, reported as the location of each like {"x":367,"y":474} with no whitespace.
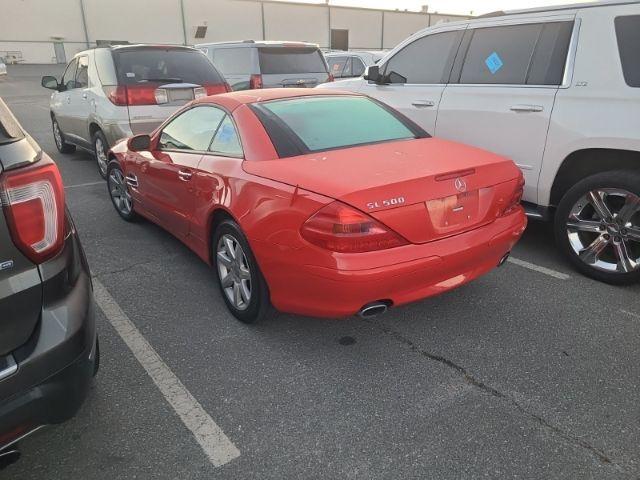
{"x":603,"y":229}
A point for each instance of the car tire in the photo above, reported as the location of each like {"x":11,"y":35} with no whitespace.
{"x":242,"y":285}
{"x":58,"y":137}
{"x":597,"y":227}
{"x":119,"y":192}
{"x":100,"y":150}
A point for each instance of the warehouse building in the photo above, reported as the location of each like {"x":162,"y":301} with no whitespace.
{"x":45,"y":31}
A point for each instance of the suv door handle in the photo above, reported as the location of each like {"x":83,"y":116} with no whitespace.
{"x":423,"y":103}
{"x":527,"y":108}
{"x":185,"y":175}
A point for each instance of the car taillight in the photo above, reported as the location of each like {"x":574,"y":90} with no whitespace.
{"x":331,"y":78}
{"x":214,"y":89}
{"x":123,"y":95}
{"x":116,"y":95}
{"x":33,"y":204}
{"x":255,"y":82}
{"x":341,"y":228}
{"x":516,"y":198}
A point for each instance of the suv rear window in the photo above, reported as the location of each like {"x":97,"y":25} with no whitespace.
{"x":628,"y":33}
{"x":282,"y":60}
{"x":329,"y":122}
{"x":168,"y":65}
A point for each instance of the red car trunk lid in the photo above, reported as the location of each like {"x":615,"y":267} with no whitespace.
{"x":424,"y":189}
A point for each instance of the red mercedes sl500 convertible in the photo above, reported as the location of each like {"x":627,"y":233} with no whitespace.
{"x":320,"y":203}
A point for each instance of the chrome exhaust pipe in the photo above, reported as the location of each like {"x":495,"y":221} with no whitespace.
{"x":374,"y":309}
{"x":504,"y":259}
{"x":8,"y":457}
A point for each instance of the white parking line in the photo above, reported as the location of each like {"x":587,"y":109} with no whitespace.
{"x":90,"y":184}
{"x":208,"y":434}
{"x":538,"y":268}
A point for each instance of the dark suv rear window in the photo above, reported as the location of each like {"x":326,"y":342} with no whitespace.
{"x":628,"y":32}
{"x":10,"y":131}
{"x":175,"y":65}
{"x":282,"y":60}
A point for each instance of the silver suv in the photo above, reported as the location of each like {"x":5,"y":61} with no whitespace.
{"x":264,"y":64}
{"x":109,"y":93}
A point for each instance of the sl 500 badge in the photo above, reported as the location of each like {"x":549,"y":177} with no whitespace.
{"x":391,"y":202}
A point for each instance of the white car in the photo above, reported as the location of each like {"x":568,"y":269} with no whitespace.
{"x":351,"y":64}
{"x":3,"y":67}
{"x":555,"y":89}
{"x":112,"y":92}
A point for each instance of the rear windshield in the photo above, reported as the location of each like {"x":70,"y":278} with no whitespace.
{"x":10,"y":131}
{"x":283,"y":60}
{"x":325,"y":123}
{"x":159,"y":65}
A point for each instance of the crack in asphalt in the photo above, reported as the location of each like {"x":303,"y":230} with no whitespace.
{"x":472,"y":380}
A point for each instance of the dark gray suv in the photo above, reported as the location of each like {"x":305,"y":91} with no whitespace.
{"x":48,"y":345}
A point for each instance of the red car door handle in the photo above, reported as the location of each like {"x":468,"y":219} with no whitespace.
{"x":185,"y":175}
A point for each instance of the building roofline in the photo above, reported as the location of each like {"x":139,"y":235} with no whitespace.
{"x":556,"y":8}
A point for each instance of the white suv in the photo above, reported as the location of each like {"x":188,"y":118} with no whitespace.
{"x":108,"y":93}
{"x":558,"y":91}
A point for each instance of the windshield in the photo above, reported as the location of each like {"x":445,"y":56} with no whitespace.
{"x":324,"y":123}
{"x":160,"y":65}
{"x":282,"y":60}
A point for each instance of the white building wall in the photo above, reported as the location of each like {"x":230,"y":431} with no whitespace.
{"x":225,"y":20}
{"x":296,"y":22}
{"x":365,"y":26}
{"x":398,"y":26}
{"x":155,"y":21}
{"x":30,"y":27}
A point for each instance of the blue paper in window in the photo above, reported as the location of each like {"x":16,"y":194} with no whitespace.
{"x":494,"y":63}
{"x":226,"y":133}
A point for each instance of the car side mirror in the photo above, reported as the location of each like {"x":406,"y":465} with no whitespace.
{"x":372,"y":73}
{"x":50,"y":82}
{"x":139,"y":143}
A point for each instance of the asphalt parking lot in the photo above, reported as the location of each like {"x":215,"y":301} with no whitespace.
{"x":532,"y":371}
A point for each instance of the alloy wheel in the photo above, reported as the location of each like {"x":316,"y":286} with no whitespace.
{"x":234,"y":271}
{"x":119,"y":192}
{"x":101,"y":156}
{"x":604,"y":230}
{"x":57,"y":136}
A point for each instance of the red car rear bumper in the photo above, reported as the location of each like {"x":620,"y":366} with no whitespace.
{"x":400,"y":275}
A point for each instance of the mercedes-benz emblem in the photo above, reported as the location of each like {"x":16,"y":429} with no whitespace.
{"x":460,"y":185}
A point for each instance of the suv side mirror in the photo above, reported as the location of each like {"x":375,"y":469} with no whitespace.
{"x":139,"y":143}
{"x":50,"y":82}
{"x":372,"y":73}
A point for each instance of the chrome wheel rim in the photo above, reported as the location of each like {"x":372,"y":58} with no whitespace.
{"x":234,"y":272}
{"x":604,"y":230}
{"x":101,"y":155}
{"x":119,"y":192}
{"x":57,"y":136}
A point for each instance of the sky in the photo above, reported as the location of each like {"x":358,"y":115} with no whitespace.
{"x":464,"y":7}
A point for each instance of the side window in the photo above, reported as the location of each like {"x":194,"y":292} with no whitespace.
{"x":358,"y":67}
{"x":347,"y":68}
{"x":336,"y":65}
{"x":628,"y":33}
{"x":550,"y":57}
{"x":82,"y":74}
{"x":500,"y":55}
{"x":233,"y":60}
{"x":192,"y":129}
{"x":428,"y":60}
{"x":226,"y":140}
{"x":69,"y":77}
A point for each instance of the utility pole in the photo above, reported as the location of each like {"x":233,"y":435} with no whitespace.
{"x":329,"y":25}
{"x":84,"y":23}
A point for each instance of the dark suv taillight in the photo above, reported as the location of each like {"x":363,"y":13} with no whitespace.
{"x":33,"y":202}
